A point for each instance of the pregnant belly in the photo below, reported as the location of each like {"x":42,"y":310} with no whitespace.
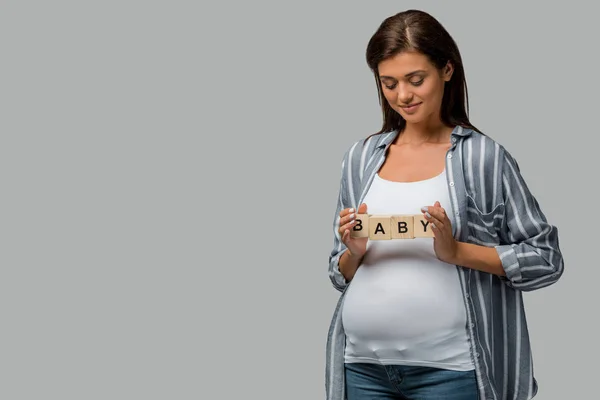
{"x":408,"y":301}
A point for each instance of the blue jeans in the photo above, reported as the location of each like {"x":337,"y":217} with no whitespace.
{"x":386,"y":382}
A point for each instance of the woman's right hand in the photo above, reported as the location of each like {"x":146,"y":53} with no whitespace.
{"x":356,"y":246}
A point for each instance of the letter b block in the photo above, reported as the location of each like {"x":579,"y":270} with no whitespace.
{"x":361,"y":229}
{"x":402,"y":227}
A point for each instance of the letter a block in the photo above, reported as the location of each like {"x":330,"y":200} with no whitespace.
{"x":361,"y":229}
{"x":422,"y":227}
{"x":403,"y":227}
{"x":380,"y":227}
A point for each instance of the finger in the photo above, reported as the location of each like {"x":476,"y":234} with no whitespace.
{"x":348,"y":218}
{"x":439,"y":225}
{"x":346,"y":211}
{"x":346,"y":227}
{"x":345,"y":234}
{"x":434,"y":229}
{"x":362,"y":209}
{"x":439,"y":213}
{"x":437,"y":230}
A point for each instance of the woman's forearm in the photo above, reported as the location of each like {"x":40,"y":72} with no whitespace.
{"x":478,"y":257}
{"x":348,"y":264}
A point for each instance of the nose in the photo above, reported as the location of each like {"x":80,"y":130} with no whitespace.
{"x":404,"y":95}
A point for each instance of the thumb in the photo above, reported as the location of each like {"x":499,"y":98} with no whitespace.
{"x":362,"y":209}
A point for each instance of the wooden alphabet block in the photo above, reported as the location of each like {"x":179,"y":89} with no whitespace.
{"x":380,"y":227}
{"x":422,"y":227}
{"x":361,"y":229}
{"x":402,"y":227}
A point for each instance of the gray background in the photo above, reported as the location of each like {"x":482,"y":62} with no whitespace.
{"x":170,"y":172}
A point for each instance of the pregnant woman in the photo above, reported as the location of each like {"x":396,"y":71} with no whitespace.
{"x":433,"y":317}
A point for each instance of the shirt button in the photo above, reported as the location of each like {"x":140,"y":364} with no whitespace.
{"x":466,"y":295}
{"x":476,"y":354}
{"x":456,"y":213}
{"x":451,"y":183}
{"x":472,"y":325}
{"x":449,"y":155}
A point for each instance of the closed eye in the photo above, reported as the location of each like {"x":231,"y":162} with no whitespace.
{"x":414,"y":83}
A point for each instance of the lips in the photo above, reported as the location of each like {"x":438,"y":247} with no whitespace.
{"x":411,"y":108}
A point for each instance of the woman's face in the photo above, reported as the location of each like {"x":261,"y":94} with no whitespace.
{"x":413,"y":86}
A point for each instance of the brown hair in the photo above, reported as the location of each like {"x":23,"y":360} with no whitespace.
{"x":418,"y":31}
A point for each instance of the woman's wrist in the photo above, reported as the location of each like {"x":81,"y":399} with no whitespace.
{"x":348,"y":264}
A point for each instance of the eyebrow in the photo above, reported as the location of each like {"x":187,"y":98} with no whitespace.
{"x":407,"y":75}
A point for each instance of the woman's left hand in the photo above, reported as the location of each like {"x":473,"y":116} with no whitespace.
{"x":444,"y":243}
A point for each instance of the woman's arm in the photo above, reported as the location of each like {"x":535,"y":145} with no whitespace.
{"x":533,"y":259}
{"x":348,"y":265}
{"x":338,"y":279}
{"x":479,"y":257}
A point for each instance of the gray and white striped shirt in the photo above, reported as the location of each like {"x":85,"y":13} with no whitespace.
{"x":494,"y":207}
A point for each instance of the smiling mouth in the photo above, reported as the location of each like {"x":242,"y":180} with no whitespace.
{"x":411,"y":105}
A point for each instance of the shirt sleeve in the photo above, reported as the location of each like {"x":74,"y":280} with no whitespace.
{"x":532,"y":260}
{"x":337,"y":279}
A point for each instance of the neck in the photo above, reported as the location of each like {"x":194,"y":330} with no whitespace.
{"x":426,"y":131}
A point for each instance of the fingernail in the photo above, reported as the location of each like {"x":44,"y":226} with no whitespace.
{"x":428,"y":215}
{"x":425,"y":209}
{"x":351,"y":216}
{"x":351,"y":210}
{"x":432,"y":225}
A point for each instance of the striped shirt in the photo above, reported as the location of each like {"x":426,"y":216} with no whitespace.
{"x":493,"y":207}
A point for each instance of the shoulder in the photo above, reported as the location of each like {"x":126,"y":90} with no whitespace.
{"x":363,"y":149}
{"x":479,"y":143}
{"x":482,"y":149}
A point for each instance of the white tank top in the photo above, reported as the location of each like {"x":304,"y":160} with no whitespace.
{"x":404,"y":306}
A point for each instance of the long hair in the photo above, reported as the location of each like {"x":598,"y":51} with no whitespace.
{"x":419,"y":31}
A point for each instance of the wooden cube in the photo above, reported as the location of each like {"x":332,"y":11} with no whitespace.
{"x":361,"y":229}
{"x":422,"y":227}
{"x":380,"y":227}
{"x":402,"y":227}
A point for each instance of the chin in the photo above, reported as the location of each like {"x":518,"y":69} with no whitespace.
{"x":413,"y":119}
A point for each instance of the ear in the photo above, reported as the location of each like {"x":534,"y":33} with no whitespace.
{"x":447,"y":71}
